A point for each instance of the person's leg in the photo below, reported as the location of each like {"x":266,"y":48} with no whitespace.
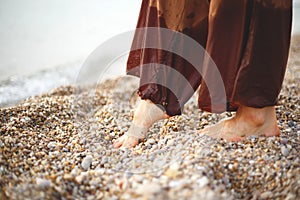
{"x":146,"y":114}
{"x":259,"y":74}
{"x":247,"y":121}
{"x":165,"y":87}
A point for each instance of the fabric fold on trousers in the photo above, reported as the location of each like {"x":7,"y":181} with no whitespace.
{"x":247,"y":40}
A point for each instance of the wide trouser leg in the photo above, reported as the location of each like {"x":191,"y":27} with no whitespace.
{"x":247,"y":39}
{"x":249,"y":42}
{"x":263,"y":65}
{"x":167,"y":79}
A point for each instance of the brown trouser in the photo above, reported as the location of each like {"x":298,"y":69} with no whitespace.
{"x":247,"y":39}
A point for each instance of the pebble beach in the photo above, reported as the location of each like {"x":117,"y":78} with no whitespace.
{"x":58,"y":145}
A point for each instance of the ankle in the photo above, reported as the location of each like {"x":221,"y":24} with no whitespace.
{"x":147,"y":113}
{"x":256,"y":116}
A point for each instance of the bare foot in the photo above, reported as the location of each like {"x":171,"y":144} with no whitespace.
{"x":145,"y":115}
{"x":247,"y":121}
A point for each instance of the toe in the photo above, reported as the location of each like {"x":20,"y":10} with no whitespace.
{"x":130,"y":142}
{"x":118,"y":143}
{"x":125,"y":142}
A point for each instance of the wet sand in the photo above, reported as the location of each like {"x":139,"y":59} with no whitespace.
{"x":58,"y":145}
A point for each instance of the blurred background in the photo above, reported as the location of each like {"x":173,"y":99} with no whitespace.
{"x":43,"y":43}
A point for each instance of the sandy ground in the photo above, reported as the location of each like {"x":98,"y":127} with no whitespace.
{"x":58,"y":146}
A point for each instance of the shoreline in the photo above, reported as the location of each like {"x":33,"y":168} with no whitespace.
{"x":16,"y":89}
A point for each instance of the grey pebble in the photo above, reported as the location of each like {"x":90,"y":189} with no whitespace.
{"x":128,"y":174}
{"x":86,"y":162}
{"x":291,"y":123}
{"x":285,"y":151}
{"x":284,"y":141}
{"x":252,"y":137}
{"x":42,"y":183}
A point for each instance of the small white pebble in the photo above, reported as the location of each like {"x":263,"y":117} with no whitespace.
{"x":86,"y":162}
{"x":151,"y":141}
{"x":148,"y":189}
{"x":79,"y":179}
{"x":288,"y":130}
{"x":175,"y":166}
{"x":112,"y":134}
{"x":74,"y":171}
{"x":51,"y":145}
{"x":170,"y":142}
{"x":202,"y":182}
{"x":43,"y":183}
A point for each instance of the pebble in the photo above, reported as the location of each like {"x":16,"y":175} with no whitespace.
{"x":86,"y":162}
{"x":177,"y":183}
{"x":151,"y":141}
{"x":291,"y":123}
{"x":68,"y":177}
{"x":57,"y":144}
{"x":148,"y":189}
{"x":284,"y":141}
{"x":252,"y":137}
{"x":43,"y":183}
{"x":172,"y":173}
{"x":170,"y":142}
{"x":175,"y":166}
{"x":202,"y":182}
{"x":112,"y":134}
{"x":79,"y":179}
{"x":285,"y":151}
{"x":266,"y":195}
{"x":288,"y":130}
{"x":51,"y":145}
{"x":251,"y":162}
{"x":290,"y":197}
{"x":128,"y":174}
